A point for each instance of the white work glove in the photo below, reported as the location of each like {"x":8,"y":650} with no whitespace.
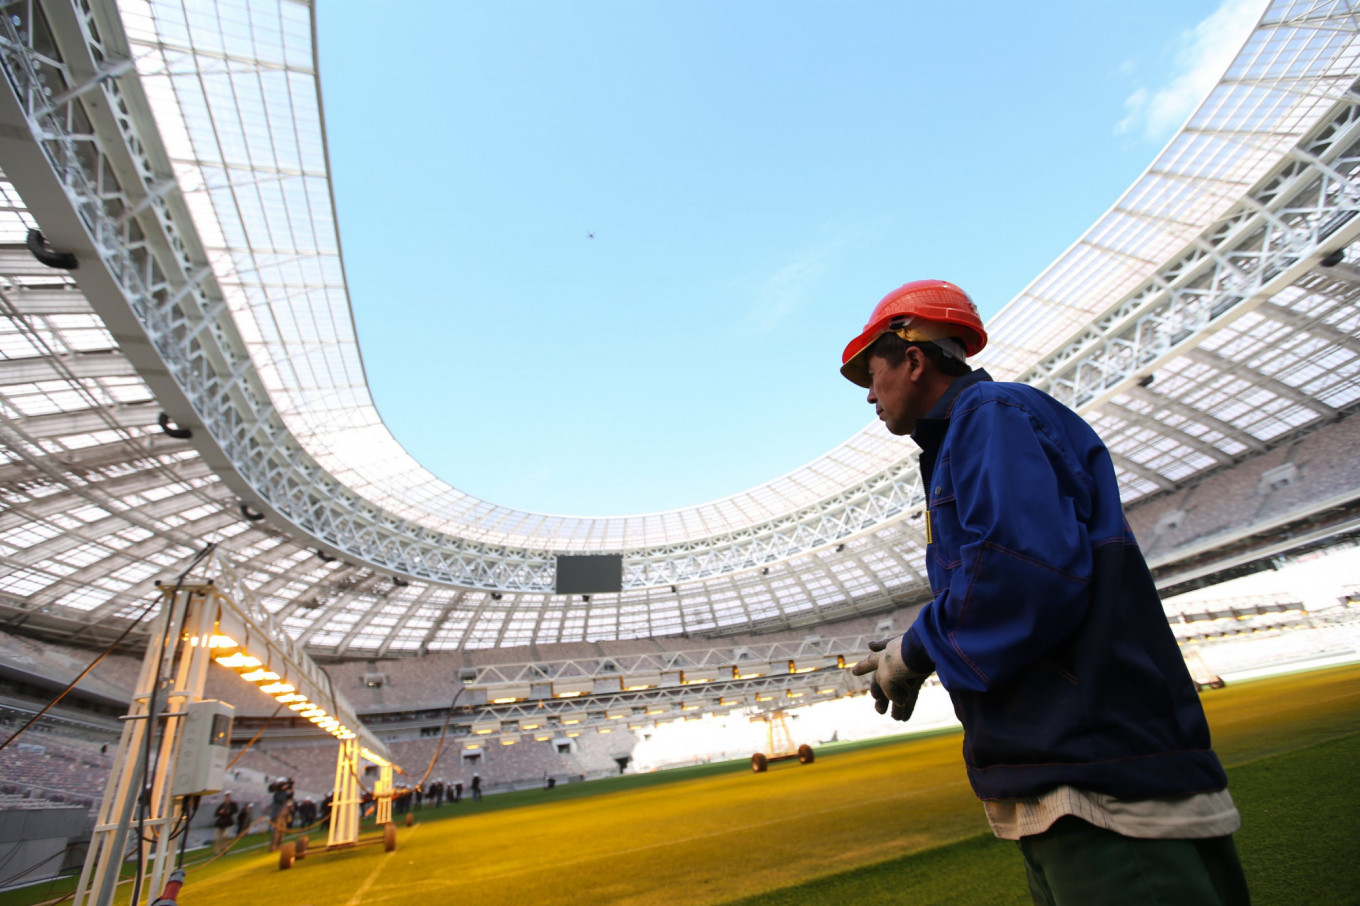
{"x":892,"y":681}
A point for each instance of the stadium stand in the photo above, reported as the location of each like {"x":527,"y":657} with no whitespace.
{"x":1237,"y":499}
{"x":100,"y":499}
{"x":68,"y":771}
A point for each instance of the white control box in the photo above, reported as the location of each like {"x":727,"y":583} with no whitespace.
{"x":206,"y":738}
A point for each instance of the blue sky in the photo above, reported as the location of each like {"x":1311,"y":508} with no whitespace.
{"x":756,"y":175}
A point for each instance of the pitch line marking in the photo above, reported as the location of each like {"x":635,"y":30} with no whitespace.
{"x":372,"y":876}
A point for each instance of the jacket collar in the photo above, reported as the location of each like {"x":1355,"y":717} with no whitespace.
{"x":931,"y":427}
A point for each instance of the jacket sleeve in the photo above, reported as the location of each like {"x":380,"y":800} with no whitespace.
{"x":1020,"y":580}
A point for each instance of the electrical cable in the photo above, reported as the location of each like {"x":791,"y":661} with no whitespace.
{"x":252,"y":742}
{"x":52,"y":704}
{"x":442,"y":733}
{"x":188,"y":821}
{"x":70,"y":896}
{"x":5,"y":882}
{"x":153,"y":724}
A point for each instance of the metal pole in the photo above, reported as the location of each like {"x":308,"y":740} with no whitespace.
{"x":345,"y":805}
{"x":108,"y":844}
{"x":191,"y":681}
{"x":383,"y":793}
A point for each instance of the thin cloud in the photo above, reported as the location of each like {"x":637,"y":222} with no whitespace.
{"x":792,"y":287}
{"x":1201,"y":55}
{"x":784,"y":292}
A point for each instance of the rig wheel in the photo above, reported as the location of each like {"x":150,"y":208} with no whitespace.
{"x":759,"y":762}
{"x":410,"y":820}
{"x":389,"y":837}
{"x":287,"y":852}
{"x":805,"y":754}
{"x":302,"y":844}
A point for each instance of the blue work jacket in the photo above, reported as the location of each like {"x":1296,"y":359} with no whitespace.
{"x":1045,"y":627}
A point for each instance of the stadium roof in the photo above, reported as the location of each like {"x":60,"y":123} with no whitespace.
{"x":1194,"y":324}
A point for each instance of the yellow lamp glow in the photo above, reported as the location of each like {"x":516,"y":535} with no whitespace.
{"x":238,"y":660}
{"x":276,"y":688}
{"x":259,"y":676}
{"x":290,"y":697}
{"x":216,"y":640}
{"x":300,"y":706}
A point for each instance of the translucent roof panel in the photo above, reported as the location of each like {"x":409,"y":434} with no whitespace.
{"x":97,"y":502}
{"x":233,"y":88}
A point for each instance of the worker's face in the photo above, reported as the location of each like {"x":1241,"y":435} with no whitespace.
{"x":897,"y":391}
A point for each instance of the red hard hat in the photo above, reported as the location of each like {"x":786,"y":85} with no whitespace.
{"x":919,"y":311}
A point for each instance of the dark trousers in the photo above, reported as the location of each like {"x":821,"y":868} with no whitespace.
{"x":1075,"y":863}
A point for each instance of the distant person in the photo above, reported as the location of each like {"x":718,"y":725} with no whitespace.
{"x":457,"y":791}
{"x":281,"y":794}
{"x":243,"y":819}
{"x":1083,"y":733}
{"x":476,"y":787}
{"x":224,"y":818}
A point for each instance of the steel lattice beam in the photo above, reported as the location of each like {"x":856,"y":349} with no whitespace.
{"x":150,"y":272}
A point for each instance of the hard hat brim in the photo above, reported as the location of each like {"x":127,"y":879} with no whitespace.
{"x":855,"y":359}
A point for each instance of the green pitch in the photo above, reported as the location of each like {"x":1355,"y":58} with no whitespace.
{"x":889,"y":822}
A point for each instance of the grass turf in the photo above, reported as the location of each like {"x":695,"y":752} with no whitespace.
{"x":887,"y":822}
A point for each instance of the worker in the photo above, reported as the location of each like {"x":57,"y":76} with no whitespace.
{"x":224,"y":816}
{"x":1083,"y":733}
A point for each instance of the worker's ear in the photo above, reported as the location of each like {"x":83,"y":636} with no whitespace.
{"x":917,"y":362}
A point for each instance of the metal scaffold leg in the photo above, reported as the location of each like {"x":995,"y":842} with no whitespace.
{"x":382,"y":794}
{"x":173,"y":676}
{"x":345,"y":806}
